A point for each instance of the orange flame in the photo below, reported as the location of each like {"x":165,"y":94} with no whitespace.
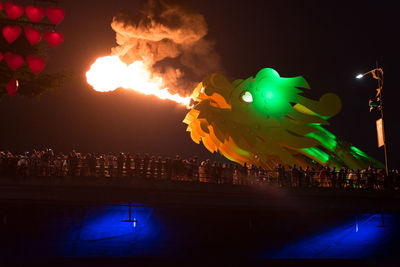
{"x":110,"y":73}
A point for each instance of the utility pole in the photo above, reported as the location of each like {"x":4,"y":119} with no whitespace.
{"x":377,"y":103}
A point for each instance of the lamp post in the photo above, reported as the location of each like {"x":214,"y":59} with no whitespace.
{"x":377,"y":74}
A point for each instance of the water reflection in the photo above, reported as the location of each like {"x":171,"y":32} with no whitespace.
{"x":364,"y":236}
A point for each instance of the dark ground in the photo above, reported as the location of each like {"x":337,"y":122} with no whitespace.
{"x":69,"y":222}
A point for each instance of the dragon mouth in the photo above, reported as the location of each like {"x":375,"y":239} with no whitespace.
{"x":193,"y":103}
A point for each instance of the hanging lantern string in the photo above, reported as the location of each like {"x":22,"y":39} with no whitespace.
{"x":48,"y":1}
{"x":44,"y":24}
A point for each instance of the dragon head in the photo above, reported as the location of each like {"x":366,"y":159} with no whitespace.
{"x":263,"y":120}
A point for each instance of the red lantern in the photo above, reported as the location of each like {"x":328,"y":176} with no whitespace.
{"x":11,"y":33}
{"x":1,"y":54}
{"x":33,"y":36}
{"x":35,"y":64}
{"x":13,"y":61}
{"x":1,"y":6}
{"x":12,"y":87}
{"x":35,"y":13}
{"x":54,"y":39}
{"x":55,"y":15}
{"x":13,"y":11}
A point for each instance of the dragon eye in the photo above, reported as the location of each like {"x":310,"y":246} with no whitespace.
{"x":247,"y":97}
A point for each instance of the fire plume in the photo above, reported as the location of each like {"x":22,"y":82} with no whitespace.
{"x":110,"y":73}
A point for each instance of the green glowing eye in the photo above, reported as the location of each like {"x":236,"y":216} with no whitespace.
{"x":247,"y":97}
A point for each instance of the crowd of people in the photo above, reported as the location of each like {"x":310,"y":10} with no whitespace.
{"x":113,"y":165}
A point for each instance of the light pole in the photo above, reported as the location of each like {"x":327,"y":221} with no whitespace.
{"x":377,"y":74}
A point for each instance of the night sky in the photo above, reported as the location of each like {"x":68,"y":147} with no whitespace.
{"x":327,"y":43}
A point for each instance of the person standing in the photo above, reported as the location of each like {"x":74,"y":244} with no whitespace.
{"x":341,"y":177}
{"x":110,"y":168}
{"x":308,"y":177}
{"x":358,"y":179}
{"x":370,"y":178}
{"x":102,"y":163}
{"x":58,"y":166}
{"x":168,"y":169}
{"x":334,"y":178}
{"x":145,"y":170}
{"x":300,"y":177}
{"x":159,"y":169}
{"x":64,"y":167}
{"x":152,"y":167}
{"x":245,"y":174}
{"x":294,"y":176}
{"x":351,"y":178}
{"x":120,"y":164}
{"x":195,"y":166}
{"x":137,"y":163}
{"x":281,"y":175}
{"x":93,"y":165}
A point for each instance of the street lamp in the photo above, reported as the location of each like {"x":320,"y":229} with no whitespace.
{"x":377,"y":74}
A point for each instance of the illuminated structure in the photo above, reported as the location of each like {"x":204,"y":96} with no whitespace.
{"x":265,"y":121}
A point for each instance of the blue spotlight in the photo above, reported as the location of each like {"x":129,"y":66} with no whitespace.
{"x":364,"y":239}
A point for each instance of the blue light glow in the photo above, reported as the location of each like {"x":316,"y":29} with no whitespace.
{"x":107,"y":222}
{"x":359,"y":238}
{"x":356,"y":224}
{"x":107,"y":232}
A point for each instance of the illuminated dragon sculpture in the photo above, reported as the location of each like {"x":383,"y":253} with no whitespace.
{"x":265,"y":121}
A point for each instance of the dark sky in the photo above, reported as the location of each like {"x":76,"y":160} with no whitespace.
{"x":327,"y":42}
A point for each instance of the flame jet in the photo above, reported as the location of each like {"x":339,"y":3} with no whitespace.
{"x":264,"y":120}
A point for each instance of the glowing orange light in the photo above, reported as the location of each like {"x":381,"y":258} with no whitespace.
{"x":110,"y":73}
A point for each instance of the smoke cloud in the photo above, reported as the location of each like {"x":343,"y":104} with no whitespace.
{"x":169,"y":36}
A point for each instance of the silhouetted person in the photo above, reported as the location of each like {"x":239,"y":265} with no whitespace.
{"x":189,"y":169}
{"x":102,"y":163}
{"x":73,"y":163}
{"x":294,"y":176}
{"x":175,"y":167}
{"x":396,"y":178}
{"x":128,"y":165}
{"x":370,"y":178}
{"x":388,"y":183}
{"x":341,"y":177}
{"x":168,"y":168}
{"x":358,"y":179}
{"x":159,"y":169}
{"x":195,"y":166}
{"x":281,"y":175}
{"x":110,"y":168}
{"x":334,"y":178}
{"x":308,"y":177}
{"x":152,"y":167}
{"x":137,"y":163}
{"x":93,"y":165}
{"x":301,"y":177}
{"x":120,"y":164}
{"x":146,"y":160}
